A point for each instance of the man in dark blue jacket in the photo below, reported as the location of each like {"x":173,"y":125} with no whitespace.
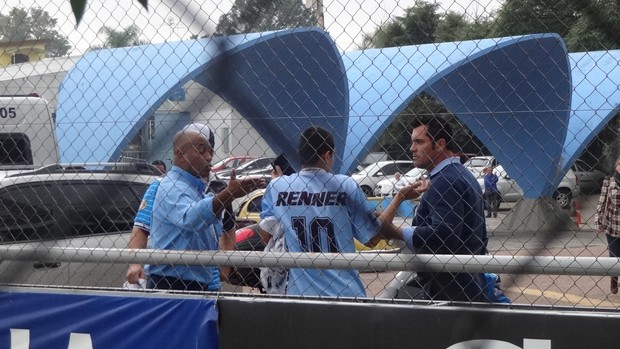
{"x":450,"y":216}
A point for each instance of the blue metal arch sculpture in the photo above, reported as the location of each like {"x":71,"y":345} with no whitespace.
{"x":516,"y":100}
{"x":595,"y":99}
{"x":109,"y":94}
{"x":465,"y":76}
{"x":106,"y":98}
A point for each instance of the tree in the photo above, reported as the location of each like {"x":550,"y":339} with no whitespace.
{"x":248,"y":16}
{"x":416,"y":27}
{"x":597,"y":27}
{"x":78,"y":7}
{"x":129,"y":36}
{"x":583,"y":36}
{"x":34,"y":24}
{"x":519,"y":17}
{"x":456,"y":27}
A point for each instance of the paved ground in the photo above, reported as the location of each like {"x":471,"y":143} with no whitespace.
{"x":582,"y":241}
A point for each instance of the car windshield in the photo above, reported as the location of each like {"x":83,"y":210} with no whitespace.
{"x":477,"y":162}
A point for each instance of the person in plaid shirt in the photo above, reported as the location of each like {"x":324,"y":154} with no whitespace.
{"x":608,"y":217}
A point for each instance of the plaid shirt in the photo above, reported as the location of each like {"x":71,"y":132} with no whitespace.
{"x":608,"y":209}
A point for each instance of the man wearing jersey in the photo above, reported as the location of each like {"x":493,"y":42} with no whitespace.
{"x":322,"y":212}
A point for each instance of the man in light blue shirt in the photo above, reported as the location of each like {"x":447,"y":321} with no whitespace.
{"x":185,"y":218}
{"x":322,"y":212}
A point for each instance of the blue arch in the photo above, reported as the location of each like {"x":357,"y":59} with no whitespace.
{"x":595,"y":99}
{"x":492,"y":83}
{"x":109,"y":94}
{"x":518,"y":88}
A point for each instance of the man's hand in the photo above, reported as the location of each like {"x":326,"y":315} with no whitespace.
{"x":422,"y":185}
{"x":135,"y":273}
{"x":237,"y":188}
{"x":276,"y":172}
{"x":241,"y":187}
{"x":413,"y":191}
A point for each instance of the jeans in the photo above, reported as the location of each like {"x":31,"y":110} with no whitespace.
{"x":492,"y":202}
{"x":613,"y":244}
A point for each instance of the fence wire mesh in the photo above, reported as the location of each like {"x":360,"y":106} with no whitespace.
{"x":529,"y":88}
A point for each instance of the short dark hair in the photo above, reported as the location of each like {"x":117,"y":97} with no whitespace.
{"x":437,"y":128}
{"x":313,"y":143}
{"x":159,"y":162}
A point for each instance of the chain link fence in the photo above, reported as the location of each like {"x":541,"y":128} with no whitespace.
{"x":81,"y":102}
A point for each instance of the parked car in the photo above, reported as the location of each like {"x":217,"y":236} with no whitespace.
{"x":70,"y":205}
{"x":590,"y":179}
{"x":385,"y":187}
{"x":373,"y":173}
{"x":263,"y":163}
{"x":261,"y":173}
{"x":231,"y":162}
{"x":477,"y":163}
{"x":511,"y":192}
{"x":464,"y":157}
{"x":249,"y":209}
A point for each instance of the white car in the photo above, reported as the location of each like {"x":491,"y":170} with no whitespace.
{"x":511,"y":192}
{"x":388,"y":187}
{"x":372,"y":174}
{"x":477,"y":163}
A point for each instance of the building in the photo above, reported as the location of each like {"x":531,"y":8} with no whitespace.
{"x":22,"y":51}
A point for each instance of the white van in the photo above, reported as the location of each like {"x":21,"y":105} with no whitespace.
{"x":27,"y":133}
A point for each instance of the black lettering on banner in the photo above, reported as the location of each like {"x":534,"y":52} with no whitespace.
{"x":7,"y":112}
{"x":317,"y":226}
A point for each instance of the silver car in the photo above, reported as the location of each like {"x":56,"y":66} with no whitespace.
{"x":72,"y":206}
{"x":511,"y":192}
{"x":590,"y":179}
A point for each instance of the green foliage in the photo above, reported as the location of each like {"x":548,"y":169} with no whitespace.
{"x":519,"y":17}
{"x":78,"y":7}
{"x":416,"y":27}
{"x":33,"y":24}
{"x":597,"y":27}
{"x":129,"y":36}
{"x":397,"y":137}
{"x":583,"y":37}
{"x":247,"y":16}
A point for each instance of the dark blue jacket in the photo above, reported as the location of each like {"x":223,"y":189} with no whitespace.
{"x":450,"y":220}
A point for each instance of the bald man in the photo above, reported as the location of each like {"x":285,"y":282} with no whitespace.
{"x":185,"y":218}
